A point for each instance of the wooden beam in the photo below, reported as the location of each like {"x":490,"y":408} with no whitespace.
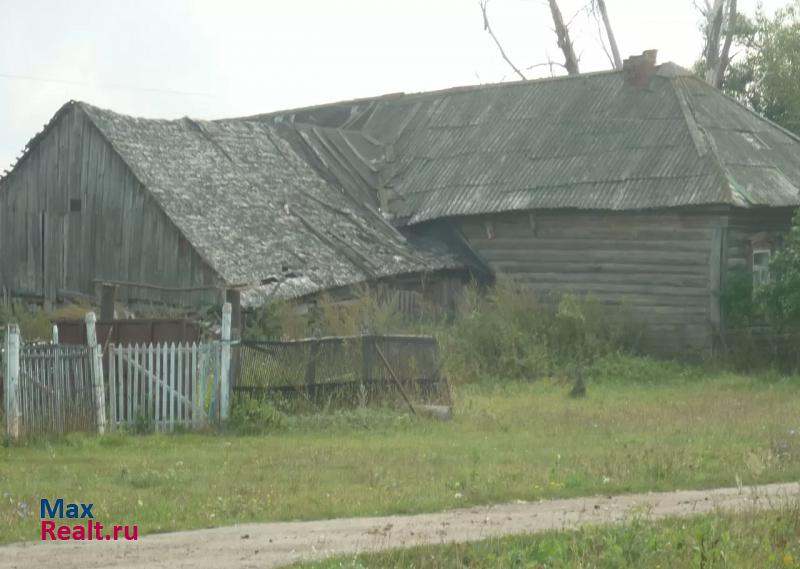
{"x":108,"y":293}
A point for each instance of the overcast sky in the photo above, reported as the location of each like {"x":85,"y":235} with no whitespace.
{"x":210,"y":59}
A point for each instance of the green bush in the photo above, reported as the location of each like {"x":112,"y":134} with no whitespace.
{"x":511,"y":333}
{"x":780,"y":298}
{"x":250,"y":416}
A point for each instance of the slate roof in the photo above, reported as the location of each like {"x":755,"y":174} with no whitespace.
{"x":256,"y":211}
{"x":589,"y":142}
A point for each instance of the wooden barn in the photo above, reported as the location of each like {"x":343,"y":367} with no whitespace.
{"x":182,"y":211}
{"x":645,"y":186}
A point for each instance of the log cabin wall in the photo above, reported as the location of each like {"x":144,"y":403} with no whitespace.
{"x":664,"y":264}
{"x":72,"y":212}
{"x":745,"y":224}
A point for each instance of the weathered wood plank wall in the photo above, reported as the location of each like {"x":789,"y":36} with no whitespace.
{"x":659,"y":262}
{"x":72,"y":212}
{"x":744,"y":224}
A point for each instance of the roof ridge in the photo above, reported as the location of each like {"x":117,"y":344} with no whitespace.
{"x":729,"y":192}
{"x":418,"y":94}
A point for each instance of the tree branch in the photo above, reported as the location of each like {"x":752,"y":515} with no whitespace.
{"x":488,"y":28}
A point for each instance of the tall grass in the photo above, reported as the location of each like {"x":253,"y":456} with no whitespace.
{"x":505,"y":331}
{"x":509,"y":332}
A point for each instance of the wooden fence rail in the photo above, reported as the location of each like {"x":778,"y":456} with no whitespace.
{"x":342,"y":370}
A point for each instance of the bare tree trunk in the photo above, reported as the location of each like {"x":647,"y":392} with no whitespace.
{"x":725,"y":56}
{"x":564,"y":41}
{"x":601,"y":6}
{"x":718,"y":24}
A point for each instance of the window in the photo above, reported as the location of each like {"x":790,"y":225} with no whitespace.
{"x":75,"y":204}
{"x":761,"y":259}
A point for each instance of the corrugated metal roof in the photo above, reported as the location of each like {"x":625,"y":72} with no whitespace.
{"x":589,"y":142}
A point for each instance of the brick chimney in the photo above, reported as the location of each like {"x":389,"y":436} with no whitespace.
{"x":639,"y":69}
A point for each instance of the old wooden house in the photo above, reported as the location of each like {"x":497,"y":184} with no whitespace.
{"x":645,"y":186}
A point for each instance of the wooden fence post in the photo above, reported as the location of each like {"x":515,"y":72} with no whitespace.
{"x":367,"y":348}
{"x":55,"y":334}
{"x":107,"y":297}
{"x":225,"y":364}
{"x":11,"y":386}
{"x":96,"y":355}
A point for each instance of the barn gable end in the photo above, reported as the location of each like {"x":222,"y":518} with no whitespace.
{"x":84,"y":216}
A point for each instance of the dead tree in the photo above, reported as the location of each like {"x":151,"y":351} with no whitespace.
{"x":719,"y":29}
{"x":600,"y":6}
{"x":563,"y":40}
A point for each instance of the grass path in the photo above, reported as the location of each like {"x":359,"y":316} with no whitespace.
{"x":277,"y":544}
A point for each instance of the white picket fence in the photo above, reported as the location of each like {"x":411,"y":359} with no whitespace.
{"x":164,"y":385}
{"x":169,"y":385}
{"x":50,"y":389}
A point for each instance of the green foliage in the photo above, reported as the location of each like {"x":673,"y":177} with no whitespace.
{"x":36,"y":324}
{"x":780,"y":298}
{"x":510,"y":333}
{"x":767,"y":76}
{"x":250,"y":416}
{"x":263,"y":323}
{"x":736,"y":299}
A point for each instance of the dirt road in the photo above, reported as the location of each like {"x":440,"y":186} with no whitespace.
{"x":276,"y":544}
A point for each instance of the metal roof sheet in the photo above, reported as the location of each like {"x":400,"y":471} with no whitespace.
{"x":588,"y":142}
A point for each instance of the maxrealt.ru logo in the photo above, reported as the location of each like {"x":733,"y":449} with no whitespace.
{"x":87,"y":530}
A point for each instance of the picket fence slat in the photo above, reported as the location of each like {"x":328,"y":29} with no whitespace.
{"x":51,"y":390}
{"x":163,"y":384}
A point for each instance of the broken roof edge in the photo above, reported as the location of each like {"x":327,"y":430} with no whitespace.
{"x":260,"y":295}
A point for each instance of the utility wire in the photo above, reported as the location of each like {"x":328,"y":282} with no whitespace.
{"x":104,"y":85}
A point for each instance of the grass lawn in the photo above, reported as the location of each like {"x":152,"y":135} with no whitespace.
{"x":666,"y":428}
{"x":733,"y":541}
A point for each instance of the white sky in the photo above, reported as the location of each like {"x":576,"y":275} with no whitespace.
{"x":243,"y":57}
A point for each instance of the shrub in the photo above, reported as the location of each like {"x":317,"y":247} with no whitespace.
{"x":512,"y":333}
{"x":251,"y":416}
{"x":780,"y":298}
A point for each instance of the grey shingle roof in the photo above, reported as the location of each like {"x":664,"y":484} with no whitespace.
{"x":254,"y":210}
{"x":590,"y":142}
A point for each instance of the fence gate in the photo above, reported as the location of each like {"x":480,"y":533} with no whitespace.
{"x":164,"y":385}
{"x":55,"y":390}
